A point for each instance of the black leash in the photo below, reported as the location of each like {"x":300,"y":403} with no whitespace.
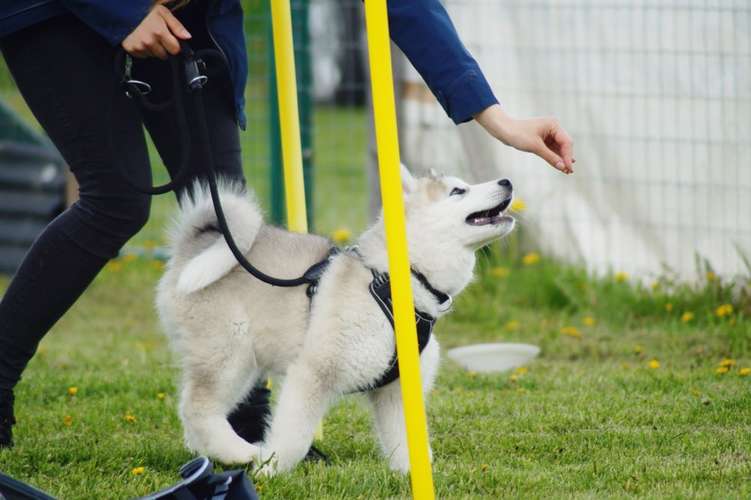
{"x":189,"y":77}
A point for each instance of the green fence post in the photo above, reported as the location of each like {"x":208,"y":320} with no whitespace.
{"x":276,"y":184}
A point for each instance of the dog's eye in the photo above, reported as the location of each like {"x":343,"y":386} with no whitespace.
{"x":456,"y":191}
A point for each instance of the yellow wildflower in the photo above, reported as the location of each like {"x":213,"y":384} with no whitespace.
{"x":521,"y":370}
{"x":669,"y":307}
{"x":161,"y":395}
{"x":72,"y":391}
{"x":655,"y":286}
{"x":114,"y":266}
{"x":500,"y":272}
{"x":724,"y":310}
{"x":589,"y":321}
{"x":531,"y":259}
{"x":654,"y":364}
{"x":472,"y":374}
{"x":721,"y":370}
{"x":621,"y":277}
{"x":157,"y":264}
{"x":571,"y":331}
{"x":729,"y":362}
{"x":518,"y":205}
{"x":514,"y":377}
{"x":687,"y":316}
{"x":711,"y":276}
{"x":484,"y":467}
{"x":744,"y":372}
{"x":638,"y":349}
{"x":511,"y":326}
{"x":137,"y":471}
{"x":67,"y":420}
{"x":129,"y":418}
{"x":341,"y":235}
{"x":129,"y":258}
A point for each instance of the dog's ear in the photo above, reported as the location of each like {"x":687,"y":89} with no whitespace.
{"x":409,"y":183}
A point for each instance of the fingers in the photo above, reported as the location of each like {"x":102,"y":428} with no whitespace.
{"x":174,"y":25}
{"x":565,"y":146}
{"x":544,"y":152}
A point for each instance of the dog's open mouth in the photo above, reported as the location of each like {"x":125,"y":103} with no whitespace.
{"x":491,"y":216}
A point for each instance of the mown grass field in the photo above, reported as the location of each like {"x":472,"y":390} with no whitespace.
{"x":639,"y":390}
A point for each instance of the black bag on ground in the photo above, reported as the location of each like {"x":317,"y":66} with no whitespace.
{"x":13,"y":489}
{"x":200,"y":483}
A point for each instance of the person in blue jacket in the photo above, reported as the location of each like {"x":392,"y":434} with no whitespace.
{"x":61,"y":52}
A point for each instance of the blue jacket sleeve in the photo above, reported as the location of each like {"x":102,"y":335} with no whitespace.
{"x":423,"y":31}
{"x":114,"y":20}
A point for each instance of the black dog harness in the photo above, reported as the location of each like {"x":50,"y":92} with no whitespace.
{"x":380,"y":290}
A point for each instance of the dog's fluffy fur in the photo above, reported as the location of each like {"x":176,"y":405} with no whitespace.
{"x":229,"y":330}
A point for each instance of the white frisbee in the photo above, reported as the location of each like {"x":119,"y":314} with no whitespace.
{"x":489,"y":358}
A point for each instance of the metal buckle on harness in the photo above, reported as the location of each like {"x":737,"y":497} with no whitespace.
{"x":193,"y":74}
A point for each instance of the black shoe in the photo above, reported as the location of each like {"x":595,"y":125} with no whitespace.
{"x":316,"y":455}
{"x":6,"y":419}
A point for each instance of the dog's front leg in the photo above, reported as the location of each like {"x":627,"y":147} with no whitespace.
{"x":303,"y":402}
{"x":388,"y":411}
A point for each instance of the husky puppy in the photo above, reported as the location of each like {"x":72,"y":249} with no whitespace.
{"x":230,"y":330}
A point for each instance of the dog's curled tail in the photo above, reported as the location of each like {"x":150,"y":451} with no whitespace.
{"x":197,"y":219}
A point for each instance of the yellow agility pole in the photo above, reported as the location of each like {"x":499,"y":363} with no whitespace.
{"x":387,"y":142}
{"x":289,"y":119}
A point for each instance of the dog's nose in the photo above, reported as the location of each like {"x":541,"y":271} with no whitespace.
{"x":505,"y":183}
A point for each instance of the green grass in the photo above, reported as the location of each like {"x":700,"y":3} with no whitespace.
{"x":589,"y":418}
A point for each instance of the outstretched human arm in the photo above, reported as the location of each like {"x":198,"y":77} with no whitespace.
{"x":423,"y":31}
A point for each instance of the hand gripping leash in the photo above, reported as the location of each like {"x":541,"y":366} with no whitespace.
{"x":189,"y":78}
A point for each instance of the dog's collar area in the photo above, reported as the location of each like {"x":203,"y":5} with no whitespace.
{"x":445,"y":301}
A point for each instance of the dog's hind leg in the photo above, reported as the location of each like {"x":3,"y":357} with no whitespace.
{"x":303,"y":401}
{"x":388,"y":410}
{"x":212,"y":387}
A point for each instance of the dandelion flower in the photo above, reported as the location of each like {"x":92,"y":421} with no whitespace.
{"x":157,"y":264}
{"x":655,"y":286}
{"x":722,"y":370}
{"x":710,"y":276}
{"x":129,"y":418}
{"x":514,"y":377}
{"x":744,"y":372}
{"x":67,"y":420}
{"x":160,"y":395}
{"x":341,"y":235}
{"x":654,"y":364}
{"x":500,"y":272}
{"x":484,"y":467}
{"x":638,"y":349}
{"x":137,"y":471}
{"x":521,"y":370}
{"x":724,"y":310}
{"x":729,"y":362}
{"x":518,"y":205}
{"x":472,"y":374}
{"x":669,"y":307}
{"x":571,"y":331}
{"x":589,"y":321}
{"x":72,"y":391}
{"x":687,"y":317}
{"x":130,"y":257}
{"x":511,"y":326}
{"x":531,"y":259}
{"x":621,"y":277}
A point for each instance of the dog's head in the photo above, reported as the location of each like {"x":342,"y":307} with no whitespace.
{"x":447,"y":210}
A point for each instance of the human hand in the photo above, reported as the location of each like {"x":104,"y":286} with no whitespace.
{"x":158,"y":35}
{"x":542,"y":136}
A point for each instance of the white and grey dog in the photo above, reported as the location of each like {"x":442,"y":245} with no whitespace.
{"x":230,"y":330}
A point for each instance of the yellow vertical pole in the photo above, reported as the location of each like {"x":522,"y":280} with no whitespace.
{"x":289,"y":119}
{"x":387,"y":142}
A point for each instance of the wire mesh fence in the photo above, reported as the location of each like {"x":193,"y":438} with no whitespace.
{"x":657,"y":95}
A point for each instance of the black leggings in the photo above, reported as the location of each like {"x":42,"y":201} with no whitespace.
{"x":65,"y":73}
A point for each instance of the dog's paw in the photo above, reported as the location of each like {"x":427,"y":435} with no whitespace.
{"x":399,"y":462}
{"x":241,"y":453}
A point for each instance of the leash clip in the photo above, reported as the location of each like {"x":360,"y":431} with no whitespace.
{"x":132,"y":86}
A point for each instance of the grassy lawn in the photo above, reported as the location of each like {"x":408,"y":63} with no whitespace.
{"x":628,"y":397}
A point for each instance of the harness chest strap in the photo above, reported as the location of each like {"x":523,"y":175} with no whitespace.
{"x":380,"y":290}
